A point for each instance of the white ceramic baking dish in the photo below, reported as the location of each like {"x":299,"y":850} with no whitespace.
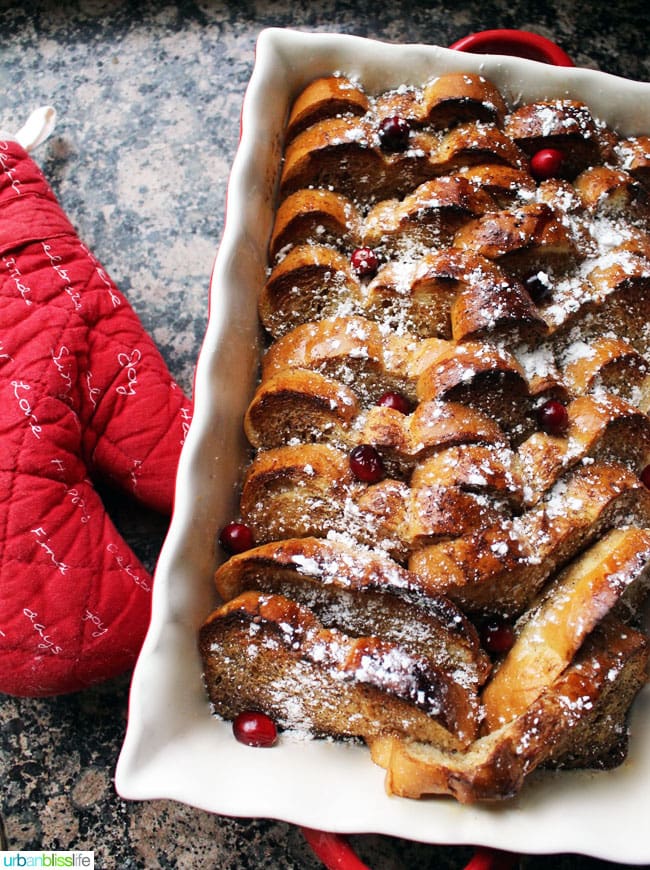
{"x":174,"y":748}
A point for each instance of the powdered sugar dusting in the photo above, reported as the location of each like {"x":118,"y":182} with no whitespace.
{"x":536,"y":293}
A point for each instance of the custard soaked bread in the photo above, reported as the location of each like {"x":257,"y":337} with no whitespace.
{"x":447,"y":496}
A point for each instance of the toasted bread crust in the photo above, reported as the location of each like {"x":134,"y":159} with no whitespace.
{"x":565,"y":124}
{"x":354,"y":590}
{"x":396,"y":688}
{"x":510,"y":561}
{"x":570,"y":608}
{"x":325,"y":98}
{"x":576,"y":710}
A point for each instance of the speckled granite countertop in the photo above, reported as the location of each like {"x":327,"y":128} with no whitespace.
{"x":148,"y":96}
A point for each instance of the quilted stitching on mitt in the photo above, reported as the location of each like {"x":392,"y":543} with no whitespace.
{"x":84,"y":395}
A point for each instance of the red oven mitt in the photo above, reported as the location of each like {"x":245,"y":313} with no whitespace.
{"x":84,"y":394}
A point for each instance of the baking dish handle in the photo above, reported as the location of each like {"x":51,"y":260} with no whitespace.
{"x":517,"y":43}
{"x":334,"y":850}
{"x":336,"y":853}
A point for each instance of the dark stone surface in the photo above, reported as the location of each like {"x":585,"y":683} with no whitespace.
{"x":148,"y":96}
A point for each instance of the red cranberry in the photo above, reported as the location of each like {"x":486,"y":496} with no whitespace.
{"x":497,"y":636}
{"x":255,"y":729}
{"x":396,"y":401}
{"x":539,"y":286}
{"x":364,"y":262}
{"x":645,"y":476}
{"x":546,"y":163}
{"x":236,"y":537}
{"x":553,"y":417}
{"x":366,"y":463}
{"x":394,"y":133}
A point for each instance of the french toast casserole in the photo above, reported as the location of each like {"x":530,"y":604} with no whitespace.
{"x":444,"y":533}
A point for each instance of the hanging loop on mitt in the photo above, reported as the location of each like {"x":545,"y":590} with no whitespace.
{"x":36,"y":129}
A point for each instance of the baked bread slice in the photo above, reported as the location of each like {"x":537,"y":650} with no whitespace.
{"x":632,"y":154}
{"x":555,"y":626}
{"x":567,"y":125}
{"x":502,"y":568}
{"x":405,"y":441}
{"x":300,"y":404}
{"x":453,"y":98}
{"x":609,"y":365}
{"x":522,"y":239}
{"x":428,"y":217}
{"x":309,"y":489}
{"x":269,"y":653}
{"x":361,"y":592}
{"x":312,"y":281}
{"x":505,"y":184}
{"x":600,"y":428}
{"x":325,"y":98}
{"x":356,"y":352}
{"x":613,"y":192}
{"x":317,"y":216}
{"x":580,"y":720}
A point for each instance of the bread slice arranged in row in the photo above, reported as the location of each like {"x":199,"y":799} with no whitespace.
{"x":447,"y":506}
{"x":579,"y":720}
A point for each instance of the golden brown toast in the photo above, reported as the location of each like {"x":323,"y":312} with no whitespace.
{"x":297,"y":403}
{"x":556,"y":625}
{"x":578,"y":720}
{"x":315,"y":215}
{"x":522,"y":239}
{"x":453,"y":98}
{"x":428,"y":217}
{"x":500,"y":569}
{"x":633,"y":154}
{"x":354,"y":350}
{"x":610,"y":365}
{"x":325,"y":98}
{"x":351,"y":686}
{"x":564,"y":124}
{"x":309,"y":489}
{"x":603,"y":428}
{"x":361,"y":593}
